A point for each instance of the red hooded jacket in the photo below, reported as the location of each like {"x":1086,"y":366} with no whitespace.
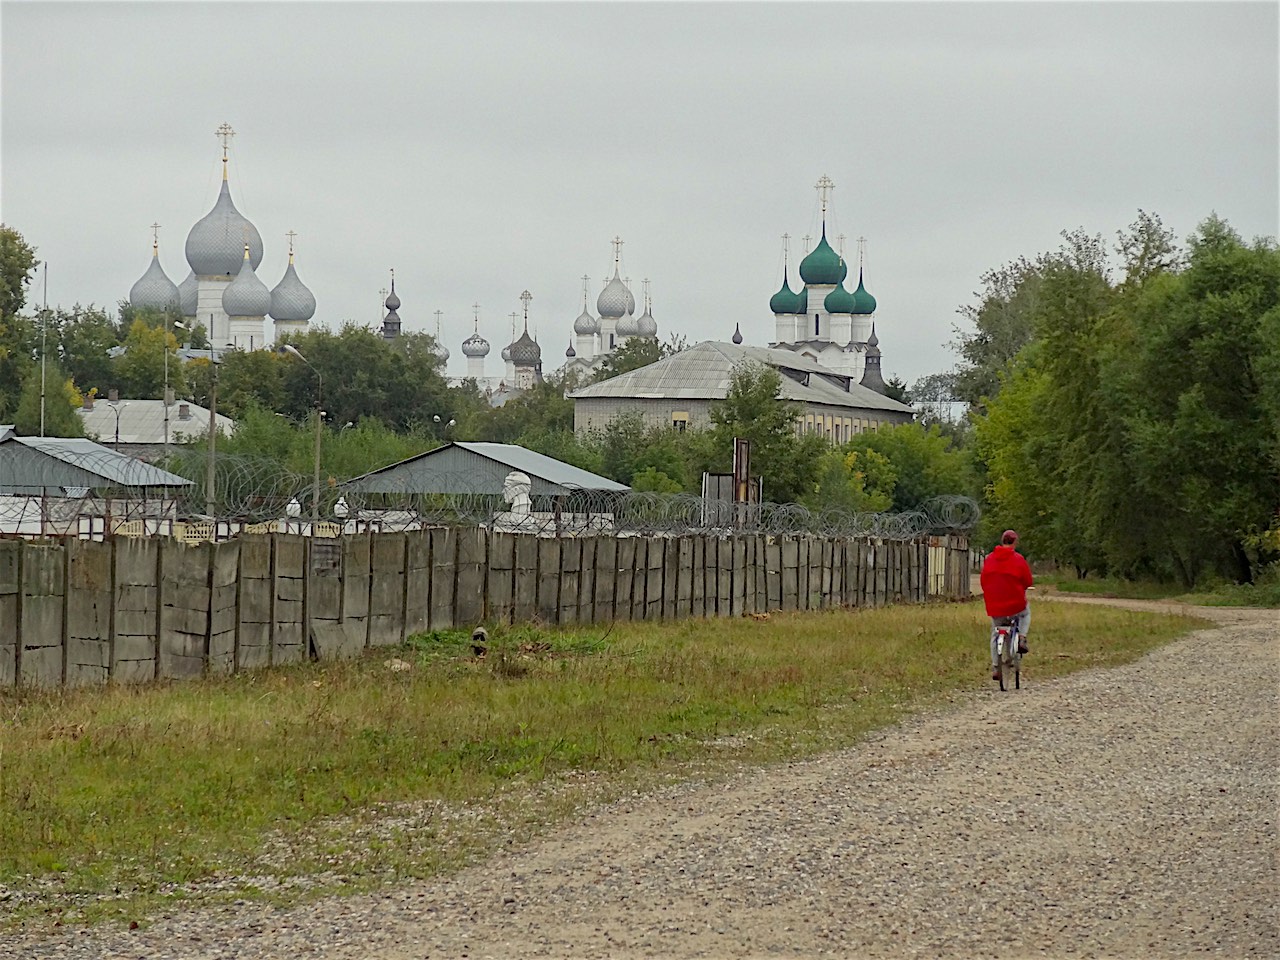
{"x":1005,"y":578}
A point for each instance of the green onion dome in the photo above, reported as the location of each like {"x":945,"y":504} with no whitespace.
{"x":864,"y":303}
{"x":785,"y":300}
{"x":823,"y":265}
{"x":840,"y":300}
{"x":802,"y":302}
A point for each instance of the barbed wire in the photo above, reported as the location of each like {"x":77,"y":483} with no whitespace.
{"x":103,"y":493}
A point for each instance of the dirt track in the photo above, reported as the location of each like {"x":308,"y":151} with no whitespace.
{"x":1134,"y":816}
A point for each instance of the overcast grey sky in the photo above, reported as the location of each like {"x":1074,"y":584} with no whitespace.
{"x":484,"y":148}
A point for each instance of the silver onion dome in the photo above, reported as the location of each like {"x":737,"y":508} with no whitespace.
{"x":154,"y":290}
{"x":246,"y":295}
{"x":290,"y":300}
{"x":614,"y":299}
{"x":215,"y":245}
{"x":188,"y":292}
{"x":393,"y":301}
{"x":627,"y":327}
{"x":441,"y":352}
{"x":525,"y":352}
{"x":586,"y":324}
{"x":646,"y":326}
{"x":571,"y":353}
{"x":506,"y":353}
{"x":475,"y":346}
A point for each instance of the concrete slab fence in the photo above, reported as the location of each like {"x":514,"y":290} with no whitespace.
{"x":78,"y":612}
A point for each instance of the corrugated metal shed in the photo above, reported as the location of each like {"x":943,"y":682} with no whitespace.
{"x":35,"y":465}
{"x":703,"y":372}
{"x":463,"y":467}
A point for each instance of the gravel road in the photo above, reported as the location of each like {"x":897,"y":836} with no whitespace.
{"x":1125,"y":813}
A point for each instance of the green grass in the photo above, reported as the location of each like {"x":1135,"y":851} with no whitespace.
{"x":326,"y":777}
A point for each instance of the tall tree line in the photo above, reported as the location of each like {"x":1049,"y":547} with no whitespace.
{"x":1127,"y":412}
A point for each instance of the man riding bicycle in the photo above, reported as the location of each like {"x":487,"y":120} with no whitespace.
{"x":1005,"y":579}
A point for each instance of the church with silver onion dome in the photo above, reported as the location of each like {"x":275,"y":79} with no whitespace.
{"x":223,"y":291}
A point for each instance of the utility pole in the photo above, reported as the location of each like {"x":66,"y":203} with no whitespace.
{"x":211,"y":477}
{"x":44,"y":323}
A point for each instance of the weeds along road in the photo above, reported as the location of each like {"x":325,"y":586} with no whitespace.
{"x":1128,"y":812}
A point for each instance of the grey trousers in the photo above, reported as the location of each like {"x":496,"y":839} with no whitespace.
{"x":1024,"y":625}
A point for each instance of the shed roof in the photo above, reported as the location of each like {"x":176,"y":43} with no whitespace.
{"x":454,"y":468}
{"x":44,"y":462}
{"x":704,"y":372}
{"x":142,"y":421}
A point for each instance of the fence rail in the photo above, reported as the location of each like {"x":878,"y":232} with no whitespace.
{"x":79,"y":611}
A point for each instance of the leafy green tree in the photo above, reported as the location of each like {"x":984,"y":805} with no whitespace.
{"x":1003,"y":323}
{"x":60,"y":401}
{"x":398,"y":383}
{"x":754,"y":409}
{"x":628,"y":447}
{"x":854,"y":480}
{"x":19,"y":340}
{"x":140,"y":371}
{"x":654,"y":481}
{"x":1147,"y":248}
{"x":1197,"y":413}
{"x":542,"y":409}
{"x":17,"y":266}
{"x":86,"y":335}
{"x":895,"y":388}
{"x":924,"y":463}
{"x":246,"y":378}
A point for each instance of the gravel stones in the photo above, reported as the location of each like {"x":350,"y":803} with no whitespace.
{"x":1128,"y":812}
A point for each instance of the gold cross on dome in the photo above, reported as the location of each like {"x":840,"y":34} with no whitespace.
{"x":617,"y":249}
{"x":224,"y":133}
{"x":155,"y":233}
{"x":824,"y":186}
{"x":291,"y":234}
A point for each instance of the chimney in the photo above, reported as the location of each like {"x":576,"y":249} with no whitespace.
{"x":113,"y":395}
{"x":184,"y":411}
{"x":88,"y":401}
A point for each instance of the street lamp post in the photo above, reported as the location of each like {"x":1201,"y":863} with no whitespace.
{"x":116,"y":408}
{"x":315,"y":478}
{"x":176,"y":323}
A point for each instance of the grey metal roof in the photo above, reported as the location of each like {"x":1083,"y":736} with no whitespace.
{"x":703,"y":372}
{"x":466,"y":467}
{"x":142,"y":421}
{"x":50,"y":462}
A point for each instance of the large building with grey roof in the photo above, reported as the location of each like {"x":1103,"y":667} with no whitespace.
{"x":679,"y":392}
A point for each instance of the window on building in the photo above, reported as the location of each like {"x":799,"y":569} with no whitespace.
{"x":680,"y":420}
{"x":815,"y":324}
